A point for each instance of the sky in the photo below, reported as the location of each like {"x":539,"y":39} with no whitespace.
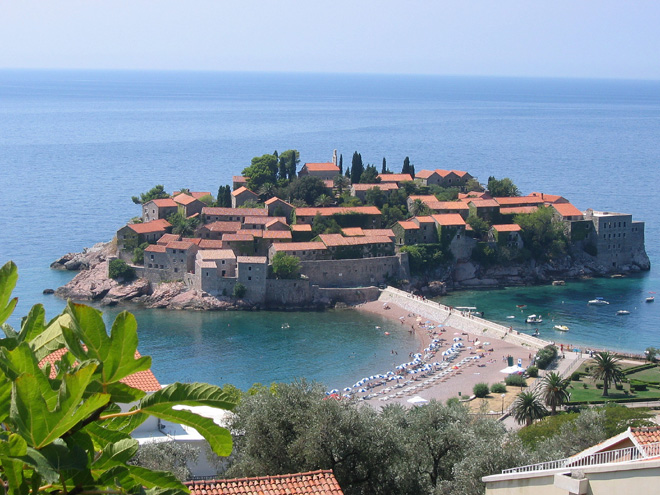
{"x":576,"y":38}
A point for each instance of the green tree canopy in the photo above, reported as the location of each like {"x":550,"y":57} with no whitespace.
{"x":286,"y":266}
{"x":369,"y":175}
{"x":606,"y":367}
{"x":406,"y":167}
{"x":375,"y":197}
{"x":480,"y":227}
{"x":182,"y":225}
{"x":262,"y":170}
{"x":357,"y":168}
{"x":527,"y":407}
{"x":156,"y":192}
{"x":289,"y":161}
{"x":502,"y":187}
{"x":555,"y":390}
{"x":307,"y":189}
{"x":67,"y":426}
{"x":542,"y":237}
{"x":224,"y":197}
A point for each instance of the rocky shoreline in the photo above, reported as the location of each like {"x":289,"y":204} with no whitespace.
{"x":93,"y":284}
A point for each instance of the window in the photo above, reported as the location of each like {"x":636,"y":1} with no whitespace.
{"x":249,"y":278}
{"x":223,"y":262}
{"x":223,"y":273}
{"x":249,"y":268}
{"x":176,"y":270}
{"x":152,"y":257}
{"x":150,"y":265}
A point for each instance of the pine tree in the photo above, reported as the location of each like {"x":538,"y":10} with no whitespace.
{"x":356,"y":168}
{"x":406,"y":166}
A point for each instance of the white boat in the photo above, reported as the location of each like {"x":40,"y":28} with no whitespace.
{"x":650,"y":299}
{"x":534,"y":319}
{"x":599,"y":301}
{"x":561,"y":328}
{"x":511,"y":317}
{"x":622,"y":312}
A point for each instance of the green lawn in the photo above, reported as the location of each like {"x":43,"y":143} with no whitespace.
{"x":591,"y":393}
{"x":650,"y":375}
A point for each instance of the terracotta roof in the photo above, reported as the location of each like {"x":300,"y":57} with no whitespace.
{"x":329,"y":183}
{"x":449,"y":220}
{"x":237,"y":237}
{"x":210,"y":244}
{"x":222,"y":226}
{"x":474,"y":194}
{"x":460,"y":173}
{"x":275,"y":221}
{"x":646,"y":434}
{"x":408,"y":225}
{"x":334,"y":240}
{"x":423,"y":198}
{"x":383,"y":186}
{"x":425,"y":174}
{"x":321,"y":167}
{"x":216,"y":254}
{"x":517,"y":210}
{"x":450,"y":205}
{"x":395,"y":177}
{"x":239,"y":179}
{"x":277,"y":234}
{"x":163,"y":202}
{"x":142,"y":380}
{"x":194,"y":240}
{"x":550,"y":198}
{"x":252,"y":232}
{"x":263,"y":220}
{"x":252,"y":259}
{"x":301,"y":228}
{"x":298,"y":246}
{"x":184,"y":199}
{"x":310,"y":212}
{"x":165,"y":238}
{"x":378,"y":232}
{"x":242,"y":190}
{"x":509,"y":227}
{"x":423,"y":219}
{"x":245,"y":212}
{"x":566,"y":209}
{"x":275,"y":199}
{"x":484,"y":203}
{"x":194,"y":194}
{"x":352,"y":231}
{"x":519,"y":200}
{"x":155,"y":248}
{"x":148,"y":227}
{"x":321,"y":482}
{"x":180,"y":245}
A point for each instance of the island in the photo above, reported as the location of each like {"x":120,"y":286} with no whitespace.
{"x":283,"y":238}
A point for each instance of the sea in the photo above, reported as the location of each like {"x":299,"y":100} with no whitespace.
{"x":76,"y":145}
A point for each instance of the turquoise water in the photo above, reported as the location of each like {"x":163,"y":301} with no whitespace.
{"x":75,"y":146}
{"x":589,"y":325}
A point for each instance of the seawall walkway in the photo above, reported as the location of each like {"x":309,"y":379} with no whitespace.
{"x":461,"y":321}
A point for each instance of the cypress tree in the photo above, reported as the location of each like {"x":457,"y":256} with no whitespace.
{"x":406,"y":166}
{"x":348,"y":172}
{"x":412,"y":171}
{"x":227,"y":198}
{"x":341,"y":164}
{"x":356,"y":168}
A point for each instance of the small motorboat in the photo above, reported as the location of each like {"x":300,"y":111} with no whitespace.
{"x":561,"y":328}
{"x":558,"y":282}
{"x":534,"y":319}
{"x":599,"y":301}
{"x":521,"y":306}
{"x":622,"y":312}
{"x":511,"y":317}
{"x":650,"y":299}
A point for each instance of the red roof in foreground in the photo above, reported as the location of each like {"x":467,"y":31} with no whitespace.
{"x":510,"y":227}
{"x":142,"y":380}
{"x":321,"y":482}
{"x":149,"y":227}
{"x":567,"y":210}
{"x":646,"y":434}
{"x":321,"y":167}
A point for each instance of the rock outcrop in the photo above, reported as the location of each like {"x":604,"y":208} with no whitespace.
{"x":89,"y":257}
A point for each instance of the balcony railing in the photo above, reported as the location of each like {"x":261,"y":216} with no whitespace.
{"x":610,"y":456}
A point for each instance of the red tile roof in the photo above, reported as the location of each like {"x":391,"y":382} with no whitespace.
{"x":425,"y":174}
{"x":450,"y":205}
{"x":194,"y":240}
{"x":301,"y":228}
{"x":474,"y":194}
{"x":252,"y":259}
{"x":163,"y":202}
{"x":216,"y":254}
{"x":518,"y":210}
{"x":378,"y":232}
{"x":395,"y":177}
{"x":210,"y":244}
{"x":275,"y":221}
{"x":276,"y":234}
{"x":263,"y":220}
{"x":222,"y":226}
{"x":185,"y":245}
{"x":352,"y":231}
{"x":252,"y":232}
{"x":194,"y":194}
{"x":245,"y":212}
{"x":408,"y":225}
{"x":383,"y":186}
{"x":511,"y":227}
{"x":334,"y":240}
{"x":449,"y":220}
{"x":184,"y":199}
{"x":155,"y":248}
{"x":423,"y":219}
{"x":242,"y":190}
{"x":298,"y":246}
{"x":460,"y":173}
{"x":310,"y":212}
{"x":149,"y":227}
{"x":275,"y":199}
{"x":567,"y":210}
{"x":484,"y":203}
{"x":165,"y":238}
{"x":321,"y":482}
{"x":142,"y":380}
{"x":518,"y":200}
{"x":239,"y":179}
{"x":321,"y":167}
{"x":550,"y":198}
{"x":646,"y":434}
{"x":237,"y":237}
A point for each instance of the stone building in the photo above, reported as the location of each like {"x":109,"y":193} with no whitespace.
{"x":158,"y":208}
{"x":187,"y":205}
{"x":507,"y":235}
{"x":215,"y":230}
{"x":360,"y":190}
{"x":443,"y":178}
{"x":324,"y":171}
{"x":618,"y":240}
{"x":279,"y":208}
{"x":132,"y":235}
{"x":396,"y":178}
{"x":215,"y":214}
{"x":354,"y":216}
{"x":241,"y":196}
{"x":171,"y":261}
{"x":306,"y":251}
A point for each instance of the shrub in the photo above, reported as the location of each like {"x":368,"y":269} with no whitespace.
{"x":599,"y":386}
{"x":585,"y":386}
{"x":545,"y":356}
{"x":120,"y":269}
{"x":498,"y":388}
{"x":533,"y":371}
{"x":515,"y":381}
{"x":619,"y":386}
{"x":638,"y":386}
{"x":480,"y":390}
{"x":575,"y":376}
{"x":239,"y":290}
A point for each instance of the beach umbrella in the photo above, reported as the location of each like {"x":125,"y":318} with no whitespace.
{"x":417,"y":400}
{"x":334,"y":391}
{"x":362,"y":390}
{"x":402,"y":317}
{"x":347,"y":389}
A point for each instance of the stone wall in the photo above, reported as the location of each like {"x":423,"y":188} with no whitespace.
{"x":348,"y":296}
{"x":288,"y":292}
{"x":355,"y":272}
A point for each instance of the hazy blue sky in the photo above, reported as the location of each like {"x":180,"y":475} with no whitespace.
{"x":576,"y":38}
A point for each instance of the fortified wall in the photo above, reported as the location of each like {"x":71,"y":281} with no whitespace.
{"x":356,"y":272}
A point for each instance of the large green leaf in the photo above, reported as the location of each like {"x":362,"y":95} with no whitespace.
{"x":51,"y":339}
{"x":115,"y":454}
{"x":190,"y":394}
{"x":116,"y":353}
{"x":103,"y":436}
{"x":33,"y":324}
{"x":39,"y":424}
{"x":8,"y":278}
{"x":5,"y":396}
{"x":156,"y":479}
{"x":21,"y":361}
{"x":119,"y":392}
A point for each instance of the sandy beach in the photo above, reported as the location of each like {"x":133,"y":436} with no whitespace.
{"x":492,"y":355}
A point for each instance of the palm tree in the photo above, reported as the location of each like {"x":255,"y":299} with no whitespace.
{"x":554,"y":390}
{"x":527,"y":407}
{"x":324,"y":200}
{"x":606,"y":367}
